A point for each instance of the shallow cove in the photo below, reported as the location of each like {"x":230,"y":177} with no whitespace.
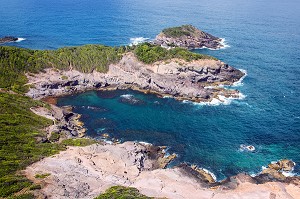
{"x":209,"y":136}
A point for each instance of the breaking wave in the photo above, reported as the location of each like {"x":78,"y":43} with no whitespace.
{"x":20,"y":39}
{"x":137,"y":40}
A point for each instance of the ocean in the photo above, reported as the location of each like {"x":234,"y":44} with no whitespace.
{"x":263,"y":38}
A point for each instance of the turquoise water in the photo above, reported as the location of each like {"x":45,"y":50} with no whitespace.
{"x":264,"y":38}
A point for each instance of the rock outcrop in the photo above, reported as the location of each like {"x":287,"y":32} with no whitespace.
{"x":196,"y":80}
{"x":274,"y":171}
{"x":187,"y":36}
{"x":8,"y":39}
{"x":66,"y":123}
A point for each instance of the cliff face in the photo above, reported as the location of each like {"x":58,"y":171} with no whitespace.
{"x":177,"y":78}
{"x":187,"y":36}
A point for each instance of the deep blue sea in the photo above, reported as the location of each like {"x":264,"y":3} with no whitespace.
{"x":264,"y":39}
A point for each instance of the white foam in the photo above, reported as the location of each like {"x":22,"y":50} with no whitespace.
{"x":108,"y":142}
{"x":145,"y":143}
{"x":263,"y":168}
{"x":221,"y":100}
{"x":240,"y":82}
{"x":224,"y":44}
{"x":20,"y":39}
{"x":289,"y":174}
{"x":127,"y":96}
{"x":211,"y":173}
{"x":137,"y":40}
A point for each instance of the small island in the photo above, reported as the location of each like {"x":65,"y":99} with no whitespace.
{"x":7,"y":39}
{"x":187,"y":36}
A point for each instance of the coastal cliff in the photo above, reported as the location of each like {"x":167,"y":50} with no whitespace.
{"x":187,"y":36}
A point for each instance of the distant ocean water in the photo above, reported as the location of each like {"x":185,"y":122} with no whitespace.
{"x":264,"y":38}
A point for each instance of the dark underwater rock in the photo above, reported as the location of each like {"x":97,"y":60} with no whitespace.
{"x":8,"y":39}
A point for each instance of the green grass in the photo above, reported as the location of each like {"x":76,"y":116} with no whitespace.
{"x":185,"y":30}
{"x":23,"y":196}
{"x":42,"y":176}
{"x":120,"y":192}
{"x":54,"y":137}
{"x":78,"y":142}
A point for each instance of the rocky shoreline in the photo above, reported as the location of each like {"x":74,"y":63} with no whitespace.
{"x":85,"y":172}
{"x":197,"y":81}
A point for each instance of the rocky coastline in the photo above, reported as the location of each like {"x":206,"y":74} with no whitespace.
{"x":187,"y":36}
{"x":85,"y":172}
{"x":197,"y":81}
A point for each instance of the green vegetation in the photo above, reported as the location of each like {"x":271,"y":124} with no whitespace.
{"x":148,"y":54}
{"x":19,"y":130}
{"x":23,"y":196}
{"x":15,"y":62}
{"x":185,"y":30}
{"x":54,"y":137}
{"x":78,"y":142}
{"x":42,"y":176}
{"x":35,"y":187}
{"x":64,"y":77}
{"x":120,"y":192}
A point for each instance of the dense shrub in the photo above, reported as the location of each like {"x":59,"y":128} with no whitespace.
{"x":120,"y":192}
{"x":185,"y":30}
{"x":148,"y":54}
{"x":19,"y":128}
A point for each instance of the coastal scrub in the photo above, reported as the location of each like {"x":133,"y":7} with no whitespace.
{"x":19,"y":131}
{"x":122,"y":193}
